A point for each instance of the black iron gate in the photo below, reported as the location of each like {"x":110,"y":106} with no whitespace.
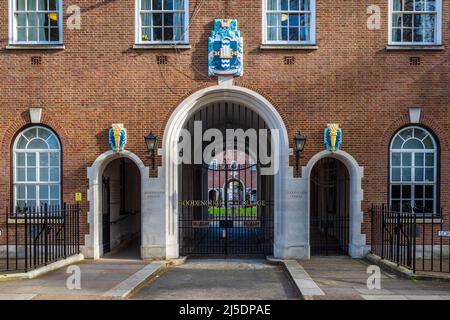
{"x":226,"y":210}
{"x":106,"y":215}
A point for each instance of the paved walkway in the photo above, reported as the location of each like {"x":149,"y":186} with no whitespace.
{"x":345,"y":278}
{"x":221,"y":280}
{"x":97,"y":278}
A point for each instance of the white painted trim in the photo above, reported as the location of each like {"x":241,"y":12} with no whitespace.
{"x":437,"y":34}
{"x":183,"y":112}
{"x":357,"y":240}
{"x":139,"y":44}
{"x":93,"y":247}
{"x":312,"y":40}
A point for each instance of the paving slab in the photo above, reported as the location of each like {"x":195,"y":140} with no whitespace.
{"x":221,"y":280}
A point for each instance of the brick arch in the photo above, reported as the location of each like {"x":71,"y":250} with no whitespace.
{"x":24,"y":121}
{"x":429,"y":123}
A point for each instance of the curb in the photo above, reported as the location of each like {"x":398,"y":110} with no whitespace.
{"x":42,"y":270}
{"x":402,"y":271}
{"x":304,"y":284}
{"x":135,"y":282}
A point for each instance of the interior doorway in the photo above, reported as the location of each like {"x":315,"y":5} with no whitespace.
{"x":329,"y":208}
{"x":121,"y":209}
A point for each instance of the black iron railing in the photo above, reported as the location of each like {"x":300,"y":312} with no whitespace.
{"x":36,"y":236}
{"x":412,"y":240}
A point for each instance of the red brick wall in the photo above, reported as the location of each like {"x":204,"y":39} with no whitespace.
{"x":100,"y":79}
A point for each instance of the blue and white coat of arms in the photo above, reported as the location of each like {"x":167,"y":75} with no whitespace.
{"x":226,"y":49}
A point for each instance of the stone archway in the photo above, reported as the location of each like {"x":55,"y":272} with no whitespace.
{"x":256,"y":103}
{"x":93,"y":240}
{"x":357,"y":240}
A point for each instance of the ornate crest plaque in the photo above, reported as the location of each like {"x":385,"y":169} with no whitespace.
{"x":226,"y":49}
{"x":333,"y":137}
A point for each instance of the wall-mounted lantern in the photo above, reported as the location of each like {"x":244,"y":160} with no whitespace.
{"x":152,"y":144}
{"x":299,"y":145}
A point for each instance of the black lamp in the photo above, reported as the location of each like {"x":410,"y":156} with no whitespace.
{"x":152,"y":144}
{"x":299,"y":145}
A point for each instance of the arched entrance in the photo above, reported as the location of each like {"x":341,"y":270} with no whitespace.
{"x":236,"y":225}
{"x":283,"y":246}
{"x":107,"y":167}
{"x":329,"y":208}
{"x":121,"y":208}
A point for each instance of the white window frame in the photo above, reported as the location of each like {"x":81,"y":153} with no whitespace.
{"x":437,"y":33}
{"x":312,"y":40}
{"x":13,"y":27}
{"x":413,"y":182}
{"x":36,"y":183}
{"x":138,"y":29}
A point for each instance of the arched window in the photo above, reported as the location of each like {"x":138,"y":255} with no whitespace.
{"x":37,"y":168}
{"x":413,"y":171}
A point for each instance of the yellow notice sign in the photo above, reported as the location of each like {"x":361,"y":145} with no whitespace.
{"x":78,"y":197}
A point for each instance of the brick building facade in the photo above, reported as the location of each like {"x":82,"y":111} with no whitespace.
{"x":350,"y":75}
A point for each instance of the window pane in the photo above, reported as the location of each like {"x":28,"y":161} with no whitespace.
{"x":413,"y":144}
{"x":294,"y":5}
{"x":31,"y":5}
{"x":396,"y":159}
{"x":54,"y":174}
{"x":168,"y":4}
{"x":407,"y":35}
{"x":396,"y":174}
{"x":418,"y":35}
{"x":43,"y":134}
{"x":305,"y":5}
{"x":37,"y":144}
{"x":20,"y":159}
{"x":419,"y":159}
{"x":31,"y":174}
{"x":406,"y":159}
{"x":397,"y":5}
{"x":146,"y":34}
{"x":20,"y":174}
{"x":395,"y":205}
{"x":20,"y":4}
{"x":428,"y":143}
{"x":157,"y":19}
{"x":157,"y":5}
{"x":20,"y":192}
{"x":429,"y":206}
{"x":21,"y":19}
{"x":22,"y":143}
{"x":43,"y":5}
{"x":33,"y":20}
{"x":418,"y":191}
{"x":294,"y":34}
{"x":31,"y":159}
{"x":406,"y":206}
{"x":273,"y":19}
{"x":272,"y":34}
{"x":43,"y":34}
{"x":419,"y":174}
{"x":54,"y":192}
{"x":406,"y":174}
{"x":168,"y":19}
{"x":408,"y":5}
{"x":293,"y":20}
{"x":271,"y":4}
{"x":284,"y":34}
{"x":146,"y":5}
{"x":179,"y":5}
{"x":146,"y":19}
{"x":43,"y":192}
{"x":396,"y":34}
{"x":431,"y":5}
{"x":21,"y":34}
{"x":31,"y":192}
{"x":43,"y":174}
{"x":53,"y":142}
{"x":406,"y":134}
{"x":429,"y":192}
{"x":32,"y":34}
{"x":407,"y":21}
{"x":418,"y":206}
{"x":420,"y":134}
{"x":168,"y":34}
{"x":284,"y":4}
{"x":53,"y":5}
{"x":157,"y":34}
{"x":429,"y":159}
{"x":406,"y":192}
{"x":428,"y":35}
{"x":396,"y":20}
{"x":54,"y":34}
{"x":429,"y":174}
{"x":284,"y":19}
{"x":395,"y":193}
{"x":428,"y":21}
{"x":43,"y":159}
{"x":30,"y":134}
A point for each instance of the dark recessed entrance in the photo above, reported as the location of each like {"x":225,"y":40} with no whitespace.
{"x":329,"y":208}
{"x":226,"y":206}
{"x":121,"y":208}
